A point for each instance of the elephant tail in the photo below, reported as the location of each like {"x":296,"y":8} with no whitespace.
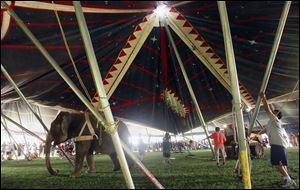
{"x":47,"y":153}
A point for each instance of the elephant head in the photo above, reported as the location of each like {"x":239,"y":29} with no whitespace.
{"x":65,"y":126}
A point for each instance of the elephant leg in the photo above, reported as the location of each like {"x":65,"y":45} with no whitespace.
{"x":91,"y":163}
{"x":115,"y":161}
{"x":81,"y":151}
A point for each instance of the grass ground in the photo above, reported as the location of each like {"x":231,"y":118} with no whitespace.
{"x":183,"y":173}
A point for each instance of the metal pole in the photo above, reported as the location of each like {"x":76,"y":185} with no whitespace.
{"x":143,"y":168}
{"x":54,"y":65}
{"x":102,"y":94}
{"x":35,"y":135}
{"x":49,"y":58}
{"x":38,"y":110}
{"x":235,"y":93}
{"x":271,"y":60}
{"x":189,"y":86}
{"x":23,"y":132}
{"x":23,"y":128}
{"x":21,"y":95}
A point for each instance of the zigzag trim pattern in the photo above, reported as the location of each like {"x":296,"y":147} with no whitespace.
{"x":206,"y":51}
{"x":123,"y":57}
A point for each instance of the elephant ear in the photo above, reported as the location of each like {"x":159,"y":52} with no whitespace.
{"x":65,"y":124}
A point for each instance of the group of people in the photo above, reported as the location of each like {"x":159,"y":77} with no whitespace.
{"x":278,"y":140}
{"x":12,"y":151}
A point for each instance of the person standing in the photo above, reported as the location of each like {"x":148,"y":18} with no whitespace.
{"x":142,"y":148}
{"x":219,"y":139}
{"x":166,"y":146}
{"x":279,"y":142}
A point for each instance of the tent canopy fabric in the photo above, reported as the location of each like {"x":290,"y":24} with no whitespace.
{"x":139,"y":95}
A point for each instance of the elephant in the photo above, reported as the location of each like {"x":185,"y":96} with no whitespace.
{"x":67,"y":125}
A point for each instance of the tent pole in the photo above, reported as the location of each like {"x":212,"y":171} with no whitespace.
{"x":102,"y":94}
{"x":35,"y":135}
{"x":237,"y":104}
{"x":52,"y":62}
{"x":264,"y":84}
{"x":23,"y":132}
{"x":25,"y":100}
{"x":39,"y":112}
{"x":189,"y":85}
{"x":199,"y":48}
{"x":22,"y":95}
{"x":23,"y":128}
{"x":56,"y":66}
{"x":9,"y":134}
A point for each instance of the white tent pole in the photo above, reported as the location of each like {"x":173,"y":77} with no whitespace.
{"x":264,"y":84}
{"x":23,"y":128}
{"x":9,"y":134}
{"x":22,"y":96}
{"x":23,"y":132}
{"x":186,"y":78}
{"x":52,"y":62}
{"x":33,"y":134}
{"x":39,"y":112}
{"x":237,"y":104}
{"x":102,"y":94}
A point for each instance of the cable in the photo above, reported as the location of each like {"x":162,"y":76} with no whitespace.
{"x":69,"y":53}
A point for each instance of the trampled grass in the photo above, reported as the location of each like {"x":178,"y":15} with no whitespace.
{"x":184,"y":173}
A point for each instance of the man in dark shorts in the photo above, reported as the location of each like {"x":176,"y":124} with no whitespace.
{"x":278,"y":141}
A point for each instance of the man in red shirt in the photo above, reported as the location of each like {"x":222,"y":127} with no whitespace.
{"x":219,"y":139}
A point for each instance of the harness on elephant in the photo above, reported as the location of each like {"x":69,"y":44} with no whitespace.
{"x":92,"y":136}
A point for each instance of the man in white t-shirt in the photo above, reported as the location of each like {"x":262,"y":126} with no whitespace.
{"x":279,"y":142}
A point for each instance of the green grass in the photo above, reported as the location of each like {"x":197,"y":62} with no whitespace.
{"x":184,"y":173}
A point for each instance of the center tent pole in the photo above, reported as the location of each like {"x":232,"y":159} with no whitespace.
{"x":237,"y":104}
{"x":111,"y":128}
{"x":189,"y":86}
{"x":264,"y":84}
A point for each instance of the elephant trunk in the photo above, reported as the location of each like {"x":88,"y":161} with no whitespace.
{"x":47,"y":153}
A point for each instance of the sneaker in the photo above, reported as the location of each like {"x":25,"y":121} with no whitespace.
{"x":283,"y":181}
{"x":288,"y":183}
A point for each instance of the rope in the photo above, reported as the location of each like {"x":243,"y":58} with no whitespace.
{"x":110,"y":129}
{"x":69,"y":53}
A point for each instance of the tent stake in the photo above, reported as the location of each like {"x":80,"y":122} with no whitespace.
{"x":189,"y":86}
{"x":271,"y":60}
{"x":237,"y":104}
